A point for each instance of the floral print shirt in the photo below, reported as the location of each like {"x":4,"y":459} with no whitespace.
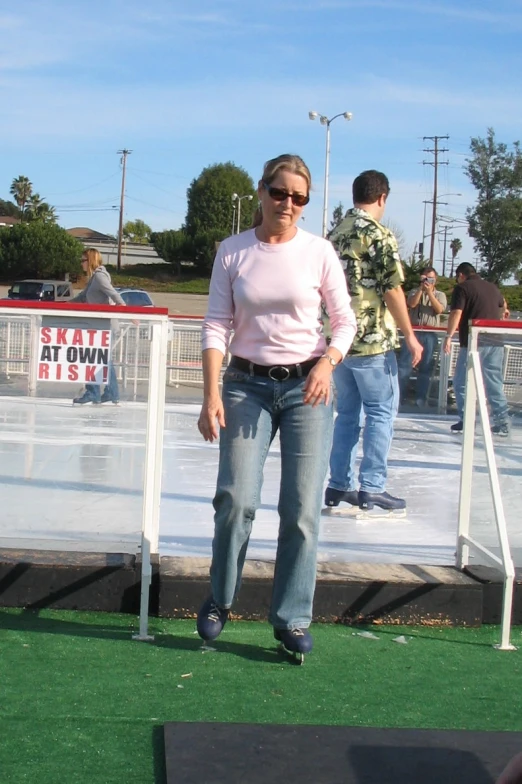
{"x":370,"y":257}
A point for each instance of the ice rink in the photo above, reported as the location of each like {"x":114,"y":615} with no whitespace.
{"x":72,"y":480}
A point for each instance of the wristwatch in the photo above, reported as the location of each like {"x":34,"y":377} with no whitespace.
{"x":331,"y":360}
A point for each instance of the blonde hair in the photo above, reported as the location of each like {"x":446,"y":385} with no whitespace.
{"x":94,"y":260}
{"x":289,"y":163}
{"x":286,"y":162}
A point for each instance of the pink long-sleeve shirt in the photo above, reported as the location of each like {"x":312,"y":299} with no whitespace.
{"x":269,"y":296}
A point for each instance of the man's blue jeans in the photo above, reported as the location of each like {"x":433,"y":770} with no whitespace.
{"x":255,"y":409}
{"x":367,"y":384}
{"x":428,"y":341}
{"x":491,"y":362}
{"x":111,"y":389}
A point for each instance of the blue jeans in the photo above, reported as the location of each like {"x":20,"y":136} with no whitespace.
{"x":367,"y":383}
{"x":491,"y":361}
{"x":429,"y":342}
{"x":111,"y":389}
{"x":255,"y":409}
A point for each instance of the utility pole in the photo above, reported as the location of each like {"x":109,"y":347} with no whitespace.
{"x":123,"y":161}
{"x":435,"y":150}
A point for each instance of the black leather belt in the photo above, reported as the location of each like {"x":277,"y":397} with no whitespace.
{"x":275,"y":372}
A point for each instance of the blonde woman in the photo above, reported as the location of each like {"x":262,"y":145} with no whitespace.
{"x":267,"y":286}
{"x":98,"y":291}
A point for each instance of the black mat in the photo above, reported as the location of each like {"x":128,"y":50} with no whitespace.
{"x":200,"y":753}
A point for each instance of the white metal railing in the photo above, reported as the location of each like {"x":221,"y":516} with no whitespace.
{"x":21,"y":327}
{"x":183,"y":359}
{"x":475,"y":395}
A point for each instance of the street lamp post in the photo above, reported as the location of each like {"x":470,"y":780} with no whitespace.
{"x":239,"y":199}
{"x":324,"y":120}
{"x":233,"y":214}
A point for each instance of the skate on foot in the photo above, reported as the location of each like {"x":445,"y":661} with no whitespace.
{"x":458,"y":427}
{"x":108,"y":398}
{"x":333,"y":497}
{"x":85,"y":398}
{"x":295,"y":642}
{"x":501,"y":429}
{"x":396,"y":507}
{"x":211,"y":619}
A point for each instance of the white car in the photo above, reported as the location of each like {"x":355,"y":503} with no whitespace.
{"x":137,"y":298}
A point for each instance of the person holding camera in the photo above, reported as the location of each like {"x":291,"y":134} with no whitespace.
{"x":425,"y":305}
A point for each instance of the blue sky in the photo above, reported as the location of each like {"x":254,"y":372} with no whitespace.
{"x":185,"y":85}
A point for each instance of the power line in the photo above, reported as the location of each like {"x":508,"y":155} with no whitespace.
{"x":87,"y":187}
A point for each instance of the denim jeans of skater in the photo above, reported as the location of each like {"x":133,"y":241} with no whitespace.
{"x":111,"y":389}
{"x":255,"y":409}
{"x":429,"y":342}
{"x":491,"y":362}
{"x":371,"y":383}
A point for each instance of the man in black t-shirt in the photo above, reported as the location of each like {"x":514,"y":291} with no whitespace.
{"x":475,"y":298}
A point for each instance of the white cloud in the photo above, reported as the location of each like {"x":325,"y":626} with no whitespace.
{"x":468,"y":14}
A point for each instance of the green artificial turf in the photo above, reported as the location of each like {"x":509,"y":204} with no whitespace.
{"x":83,"y":702}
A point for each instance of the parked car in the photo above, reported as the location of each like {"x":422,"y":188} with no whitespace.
{"x":42,"y":290}
{"x":135,"y":297}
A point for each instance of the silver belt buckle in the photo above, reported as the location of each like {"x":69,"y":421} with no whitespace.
{"x":281,"y":368}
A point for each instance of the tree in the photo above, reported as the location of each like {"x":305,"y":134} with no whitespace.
{"x":210,"y":207}
{"x":173,"y":246}
{"x":137,"y":231}
{"x":38,"y":209}
{"x":21,"y":189}
{"x":9,"y":208}
{"x":337,"y":216}
{"x":495,"y":223}
{"x":412,"y":269}
{"x":398,"y":233}
{"x":455,"y":247}
{"x":38,"y":250}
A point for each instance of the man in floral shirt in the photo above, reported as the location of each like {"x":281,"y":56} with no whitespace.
{"x":367,"y":380}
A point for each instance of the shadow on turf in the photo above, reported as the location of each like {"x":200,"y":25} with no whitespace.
{"x":31,"y":621}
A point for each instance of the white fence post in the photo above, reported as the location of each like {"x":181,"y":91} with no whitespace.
{"x":153,"y":464}
{"x":475,"y":392}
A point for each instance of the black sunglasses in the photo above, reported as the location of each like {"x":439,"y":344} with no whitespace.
{"x":278,"y":194}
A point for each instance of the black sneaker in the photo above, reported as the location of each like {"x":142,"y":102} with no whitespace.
{"x":333,"y":497}
{"x":382,"y":500}
{"x":500,"y":430}
{"x":211,"y":619}
{"x":457,"y":427}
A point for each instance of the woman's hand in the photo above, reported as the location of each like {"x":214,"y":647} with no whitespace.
{"x":211,"y":411}
{"x":513,"y":773}
{"x":319,"y":384}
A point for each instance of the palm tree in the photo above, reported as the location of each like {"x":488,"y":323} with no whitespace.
{"x":21,"y":189}
{"x":40,"y":210}
{"x":412,"y":268}
{"x":455,"y":247}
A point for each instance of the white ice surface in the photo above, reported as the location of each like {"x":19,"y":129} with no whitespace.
{"x":72,"y":477}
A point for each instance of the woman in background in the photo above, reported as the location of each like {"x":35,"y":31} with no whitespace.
{"x":98,"y":291}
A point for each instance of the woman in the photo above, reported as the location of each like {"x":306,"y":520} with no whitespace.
{"x":267,"y":286}
{"x":98,"y":291}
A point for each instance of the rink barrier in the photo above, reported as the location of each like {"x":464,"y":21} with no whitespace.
{"x":183,"y":356}
{"x":346,"y":593}
{"x":476,"y":402}
{"x":155,"y":321}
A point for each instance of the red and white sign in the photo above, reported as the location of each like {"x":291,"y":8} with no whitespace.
{"x":69,"y":354}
